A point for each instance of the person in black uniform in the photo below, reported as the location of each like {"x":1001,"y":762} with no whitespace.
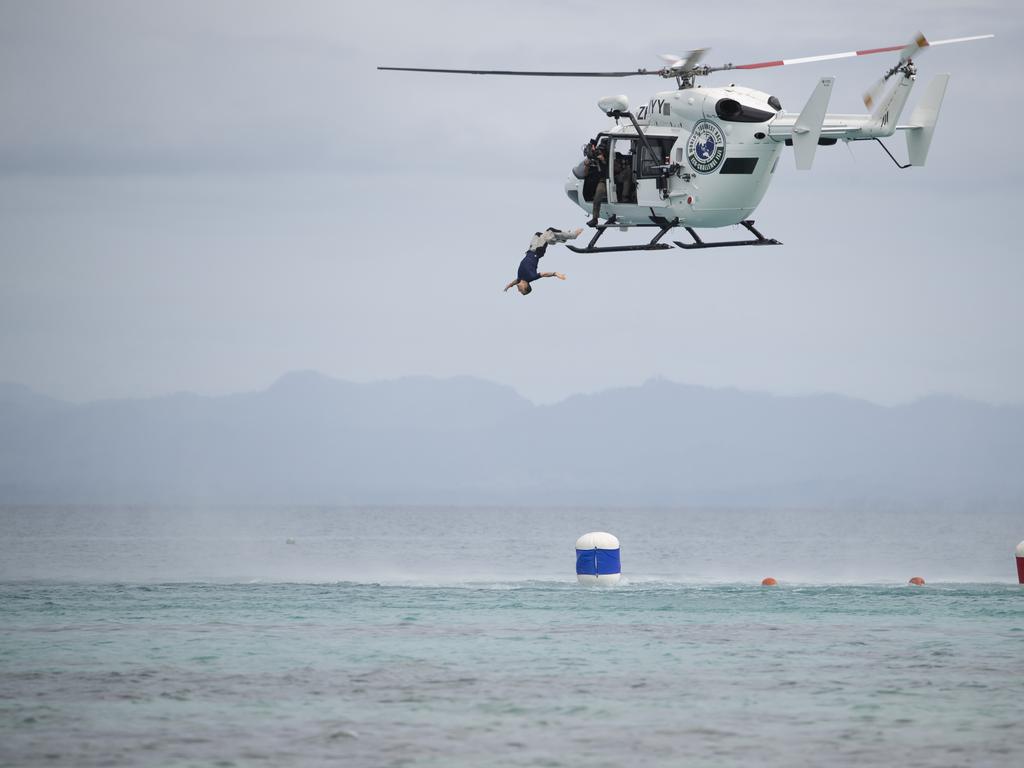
{"x":528,"y":267}
{"x":596,"y":164}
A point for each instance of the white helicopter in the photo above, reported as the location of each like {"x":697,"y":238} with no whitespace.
{"x":700,"y":157}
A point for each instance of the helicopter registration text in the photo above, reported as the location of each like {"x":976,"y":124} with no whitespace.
{"x":653,"y":107}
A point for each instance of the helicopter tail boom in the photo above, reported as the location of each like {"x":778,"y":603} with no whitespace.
{"x":813,"y":125}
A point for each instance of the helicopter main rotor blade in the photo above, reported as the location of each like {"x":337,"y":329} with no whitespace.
{"x":844,"y":55}
{"x":525,"y":73}
{"x":678,"y":67}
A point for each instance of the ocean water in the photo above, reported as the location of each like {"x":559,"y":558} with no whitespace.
{"x":458,"y":637}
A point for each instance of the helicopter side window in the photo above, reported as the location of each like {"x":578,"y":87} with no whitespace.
{"x":650,"y":167}
{"x":733,"y":111}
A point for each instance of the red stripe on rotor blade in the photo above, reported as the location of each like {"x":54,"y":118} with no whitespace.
{"x":881,"y":50}
{"x":761,"y":64}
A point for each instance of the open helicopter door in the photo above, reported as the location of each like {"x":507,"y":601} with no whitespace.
{"x":621,"y":174}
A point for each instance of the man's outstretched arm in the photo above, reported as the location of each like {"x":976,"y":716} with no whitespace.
{"x":559,"y":275}
{"x":512,"y":283}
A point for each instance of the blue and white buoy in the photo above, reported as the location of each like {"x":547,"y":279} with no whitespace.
{"x":597,"y":559}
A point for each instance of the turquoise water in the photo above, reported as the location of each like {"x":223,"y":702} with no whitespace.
{"x":450,"y":668}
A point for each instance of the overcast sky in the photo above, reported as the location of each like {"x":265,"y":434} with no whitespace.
{"x":204,"y":195}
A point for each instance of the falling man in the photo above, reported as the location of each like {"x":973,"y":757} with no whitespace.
{"x":538,"y":245}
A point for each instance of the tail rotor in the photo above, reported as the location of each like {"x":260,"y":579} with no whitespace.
{"x":905,"y":65}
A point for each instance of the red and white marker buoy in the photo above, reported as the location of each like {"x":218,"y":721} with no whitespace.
{"x":768,"y":581}
{"x":917,"y":581}
{"x":1020,"y":563}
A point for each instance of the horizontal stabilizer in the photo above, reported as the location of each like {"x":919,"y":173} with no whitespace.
{"x":923,"y":120}
{"x":807,"y":128}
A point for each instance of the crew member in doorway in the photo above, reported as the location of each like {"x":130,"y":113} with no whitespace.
{"x":624,"y":184}
{"x":596,"y":165}
{"x":528,"y":267}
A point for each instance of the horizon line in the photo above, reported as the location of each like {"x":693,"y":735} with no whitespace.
{"x":653,"y":379}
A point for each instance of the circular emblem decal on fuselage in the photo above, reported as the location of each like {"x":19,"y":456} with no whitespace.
{"x":706,"y":147}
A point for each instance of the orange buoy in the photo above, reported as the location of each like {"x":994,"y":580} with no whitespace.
{"x":769,"y":582}
{"x":917,"y":581}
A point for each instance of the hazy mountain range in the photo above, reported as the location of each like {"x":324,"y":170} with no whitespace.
{"x":313,"y":439}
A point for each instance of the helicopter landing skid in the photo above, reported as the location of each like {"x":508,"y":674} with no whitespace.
{"x":591,"y":247}
{"x":748,"y":224}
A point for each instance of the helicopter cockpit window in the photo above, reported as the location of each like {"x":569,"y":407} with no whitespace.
{"x":733,"y":111}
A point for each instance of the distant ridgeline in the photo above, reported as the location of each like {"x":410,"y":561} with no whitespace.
{"x":312,"y":439}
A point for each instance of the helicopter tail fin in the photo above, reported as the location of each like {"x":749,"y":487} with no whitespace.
{"x":923,"y":119}
{"x":883,"y":118}
{"x":807,"y":128}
